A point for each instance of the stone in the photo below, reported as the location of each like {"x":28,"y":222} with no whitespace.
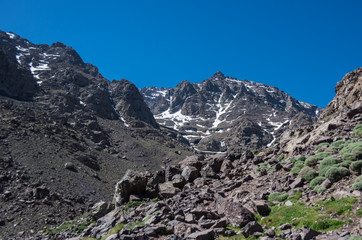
{"x":251,"y":228}
{"x":133,"y":182}
{"x":285,"y":226}
{"x":270,"y":233}
{"x":308,"y":233}
{"x":190,"y":173}
{"x":70,"y":166}
{"x":203,"y":235}
{"x":149,"y":231}
{"x":222,"y":223}
{"x":262,"y":207}
{"x":167,"y":190}
{"x":326,"y":183}
{"x":235,"y":213}
{"x":288,"y":203}
{"x":193,"y":161}
{"x":112,"y":237}
{"x":298,"y":182}
{"x":178,"y":181}
{"x":100,"y":209}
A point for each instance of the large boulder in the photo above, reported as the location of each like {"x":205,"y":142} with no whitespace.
{"x":133,"y":182}
{"x":235,"y":212}
{"x":190,"y":173}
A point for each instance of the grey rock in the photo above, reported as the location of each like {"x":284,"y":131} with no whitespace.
{"x":203,"y":235}
{"x":298,"y":182}
{"x":167,"y":190}
{"x":326,"y":183}
{"x":190,"y":173}
{"x":251,"y":228}
{"x":133,"y":182}
{"x":308,"y":233}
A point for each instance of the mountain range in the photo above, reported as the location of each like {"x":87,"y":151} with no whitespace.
{"x":68,"y":135}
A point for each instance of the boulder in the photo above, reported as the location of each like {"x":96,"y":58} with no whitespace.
{"x":251,"y":228}
{"x":190,"y":173}
{"x":100,"y":209}
{"x":298,"y":182}
{"x":167,"y":190}
{"x":235,"y":213}
{"x":262,"y":207}
{"x":203,"y":235}
{"x":133,"y":182}
{"x":193,"y":161}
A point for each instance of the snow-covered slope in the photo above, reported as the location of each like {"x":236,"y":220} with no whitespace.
{"x":218,"y":105}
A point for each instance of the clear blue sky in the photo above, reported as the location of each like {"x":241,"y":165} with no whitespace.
{"x":302,"y":47}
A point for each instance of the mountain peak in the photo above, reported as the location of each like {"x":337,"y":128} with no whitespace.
{"x":219,"y":75}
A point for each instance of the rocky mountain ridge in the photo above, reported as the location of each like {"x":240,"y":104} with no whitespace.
{"x":67,"y":133}
{"x":223,"y":113}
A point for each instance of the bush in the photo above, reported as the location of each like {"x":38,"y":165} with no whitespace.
{"x":302,"y":158}
{"x":337,"y":173}
{"x":349,"y":157}
{"x":337,"y":144}
{"x":345,"y":164}
{"x":359,"y":179}
{"x":278,"y":196}
{"x":330,"y":161}
{"x":356,"y":166}
{"x":319,"y":189}
{"x":358,"y":130}
{"x":316,"y":181}
{"x":322,"y":155}
{"x":324,"y":169}
{"x":308,"y":174}
{"x":298,"y":165}
{"x":354,"y":149}
{"x":311,"y":161}
{"x":281,"y":157}
{"x":321,"y":145}
{"x":357,"y":186}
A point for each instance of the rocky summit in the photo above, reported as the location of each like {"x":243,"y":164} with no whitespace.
{"x":223,"y":113}
{"x":85,"y":158}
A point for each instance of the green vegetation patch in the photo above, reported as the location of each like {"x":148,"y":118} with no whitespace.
{"x":356,"y":166}
{"x":298,"y":165}
{"x":316,"y":181}
{"x":132,"y":204}
{"x":336,"y":173}
{"x":349,"y":157}
{"x":308,"y":174}
{"x":321,"y":145}
{"x":353,"y":148}
{"x":337,"y":144}
{"x":329,"y":161}
{"x":302,"y":216}
{"x":319,"y":189}
{"x":357,"y":130}
{"x":269,"y":168}
{"x":340,"y":207}
{"x":357,"y":186}
{"x":278,"y":196}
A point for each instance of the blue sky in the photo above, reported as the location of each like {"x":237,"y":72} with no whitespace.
{"x":301,"y":47}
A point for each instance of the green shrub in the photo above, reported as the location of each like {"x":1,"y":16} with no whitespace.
{"x":302,"y":158}
{"x":356,"y":166}
{"x":337,"y":173}
{"x":278,"y":196}
{"x":345,"y":164}
{"x":359,"y":179}
{"x":357,"y":130}
{"x":319,"y":189}
{"x":308,"y":174}
{"x":281,"y":157}
{"x":312,"y":161}
{"x":324,"y":169}
{"x":353,"y":148}
{"x":316,"y":181}
{"x":328,"y":224}
{"x":357,"y":186}
{"x":349,"y":157}
{"x":330,"y":161}
{"x":337,"y":144}
{"x":354,"y":237}
{"x":298,"y":165}
{"x":322,"y":155}
{"x":321,"y":145}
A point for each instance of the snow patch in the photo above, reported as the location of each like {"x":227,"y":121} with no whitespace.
{"x":11,"y":35}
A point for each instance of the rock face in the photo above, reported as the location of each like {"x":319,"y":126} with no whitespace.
{"x":233,"y":112}
{"x":63,"y":126}
{"x":348,"y":99}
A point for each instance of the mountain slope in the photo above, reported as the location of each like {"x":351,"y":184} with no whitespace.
{"x":67,"y":134}
{"x":233,"y":114}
